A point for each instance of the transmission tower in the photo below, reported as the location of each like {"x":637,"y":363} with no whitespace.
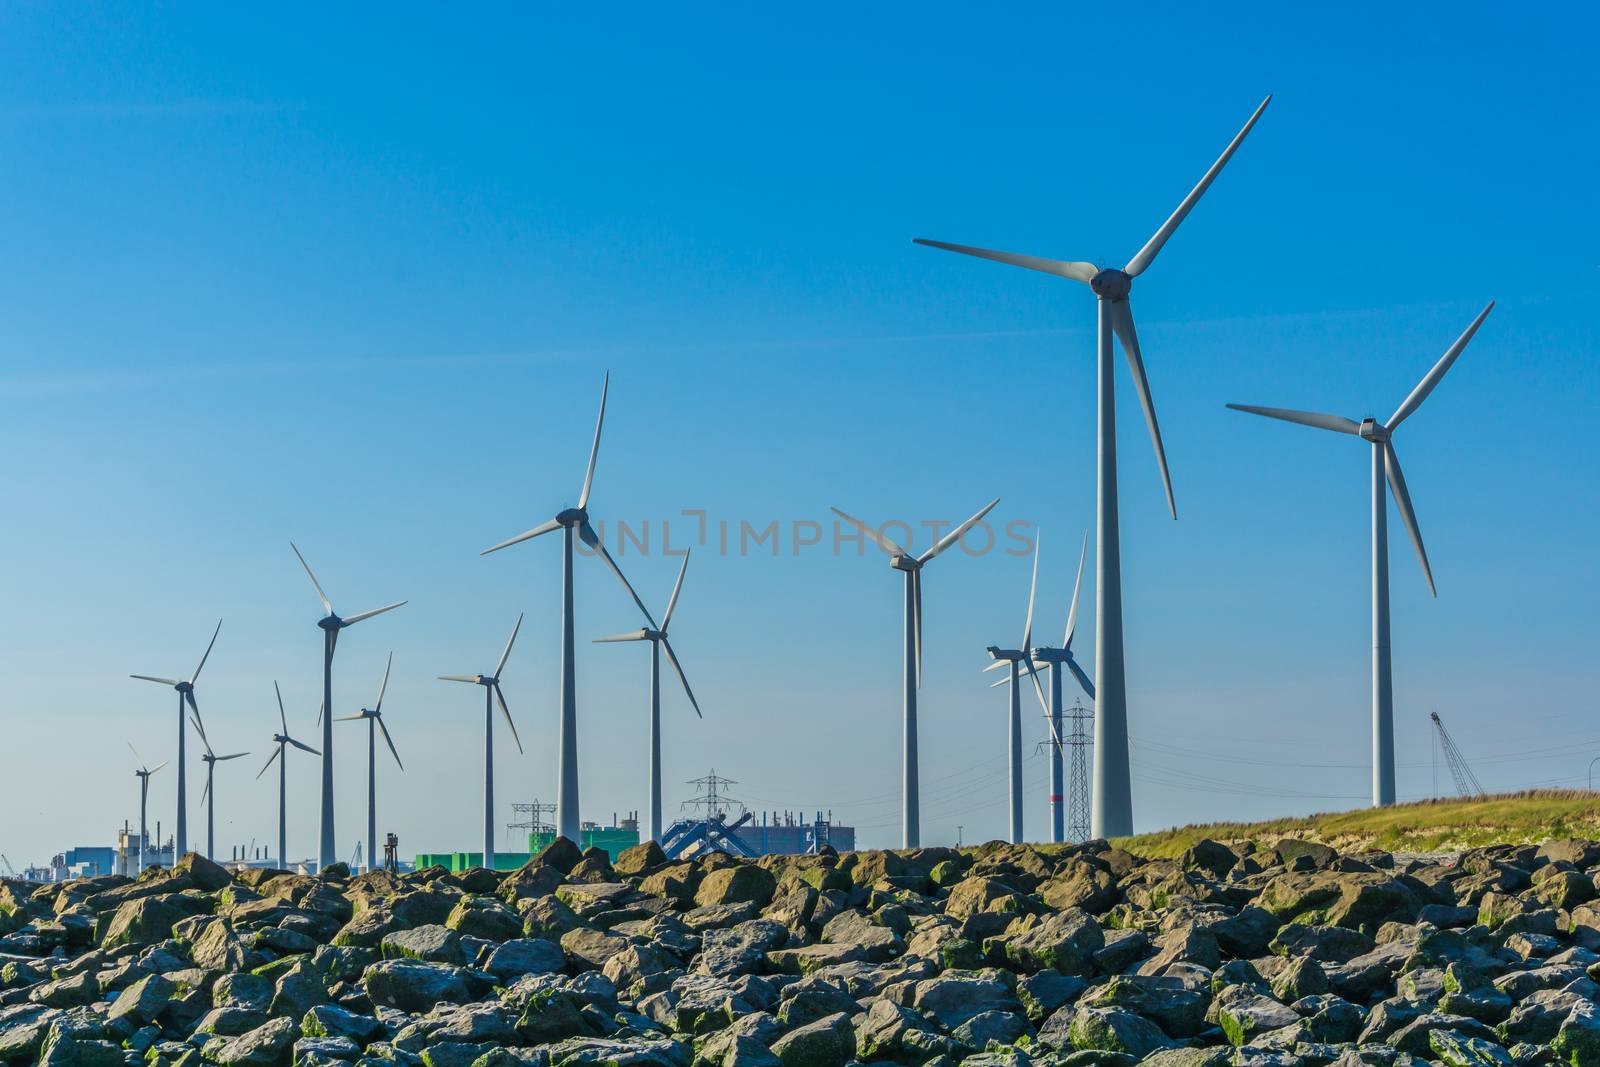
{"x":1079,"y":740}
{"x":712,"y":800}
{"x":1466,"y":782}
{"x":534,"y":818}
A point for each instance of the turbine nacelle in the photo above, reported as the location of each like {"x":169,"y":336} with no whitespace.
{"x":1373,"y":430}
{"x":1112,"y":284}
{"x":573,"y":517}
{"x":1007,"y":655}
{"x":905,"y":563}
{"x":331,"y":623}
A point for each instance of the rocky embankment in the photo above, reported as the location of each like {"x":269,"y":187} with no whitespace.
{"x":997,"y":955}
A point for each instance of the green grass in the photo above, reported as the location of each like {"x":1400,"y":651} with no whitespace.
{"x":1424,"y":826}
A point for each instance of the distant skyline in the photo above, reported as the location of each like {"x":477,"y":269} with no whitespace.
{"x":238,"y":236}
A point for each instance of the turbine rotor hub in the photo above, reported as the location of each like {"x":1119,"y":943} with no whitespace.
{"x":330,"y":623}
{"x":572,"y":516}
{"x":1112,"y":284}
{"x":1374,"y":431}
{"x":905,"y":563}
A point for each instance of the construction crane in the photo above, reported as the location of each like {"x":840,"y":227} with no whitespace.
{"x":1466,"y":782}
{"x":12,"y":871}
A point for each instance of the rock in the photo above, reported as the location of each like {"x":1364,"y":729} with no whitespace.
{"x":828,"y":1042}
{"x":1114,"y":1030}
{"x":143,"y":1001}
{"x":1457,"y":1050}
{"x":431,"y":943}
{"x":414,"y":985}
{"x":484,"y":917}
{"x":736,"y":885}
{"x":591,"y":948}
{"x":956,"y":996}
{"x":740,"y":949}
{"x":1242,"y":1013}
{"x":1064,"y":941}
{"x":1210,"y":856}
{"x":201,"y":872}
{"x":1001,"y":1027}
{"x":266,"y":1046}
{"x":560,"y":854}
{"x":524,"y":955}
{"x":142,"y":921}
{"x":242,"y":990}
{"x":640,"y":859}
{"x":298,"y":989}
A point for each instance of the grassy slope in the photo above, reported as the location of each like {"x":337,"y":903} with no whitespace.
{"x":1425,"y":826}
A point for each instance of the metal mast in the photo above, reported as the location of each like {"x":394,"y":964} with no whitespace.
{"x":1466,"y":782}
{"x":1078,"y":811}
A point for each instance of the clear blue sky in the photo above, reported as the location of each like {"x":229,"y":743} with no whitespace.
{"x":354,"y":279}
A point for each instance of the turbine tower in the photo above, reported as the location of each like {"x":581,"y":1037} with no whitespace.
{"x":185,"y":694}
{"x":1113,"y":789}
{"x":1386,"y":476}
{"x":374,"y":717}
{"x":330,"y":625}
{"x":491,"y":694}
{"x":1022,"y":656}
{"x":1058,"y":658}
{"x":657,"y":636}
{"x":281,"y":740}
{"x":208,"y":796}
{"x":573,"y":521}
{"x":911,"y":566}
{"x":143,"y":774}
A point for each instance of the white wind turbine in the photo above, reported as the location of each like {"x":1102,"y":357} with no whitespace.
{"x":1021,"y":656}
{"x":911,"y":566}
{"x":573,"y":522}
{"x":282,"y":740}
{"x":330,"y":624}
{"x":1385,"y":472}
{"x":208,"y":796}
{"x":657,"y":636}
{"x":374,"y":718}
{"x":143,"y":774}
{"x":1058,"y":658}
{"x":1113,"y":789}
{"x":185,"y":694}
{"x":491,"y":694}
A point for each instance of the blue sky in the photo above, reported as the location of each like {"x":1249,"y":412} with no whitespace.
{"x":354,"y":279}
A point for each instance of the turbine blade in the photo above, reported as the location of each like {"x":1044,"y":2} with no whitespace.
{"x":1075,"y":270}
{"x":586,"y":532}
{"x":1402,"y":500}
{"x":594,"y":449}
{"x":509,"y":642}
{"x":390,"y":742}
{"x":266,"y":766}
{"x":149,"y":678}
{"x":347,"y":718}
{"x":304,"y":747}
{"x":1083,"y":679}
{"x":1122,"y":322}
{"x":232,"y":755}
{"x":631,"y":635}
{"x":542,"y":528}
{"x":196,"y":675}
{"x":995,"y":665}
{"x":1147,"y":254}
{"x":500,"y":698}
{"x":157,"y":767}
{"x":1077,"y":585}
{"x":203,"y":740}
{"x":188,"y":695}
{"x":352,"y":620}
{"x":137,"y":758}
{"x":1033,"y":587}
{"x":473,"y":678}
{"x":383,"y":687}
{"x":877,"y":538}
{"x":282,"y":718}
{"x":916,"y":619}
{"x":677,"y":586}
{"x":1336,"y":423}
{"x":958,"y":533}
{"x":677,"y":668}
{"x":1043,"y":703}
{"x":1033,"y":673}
{"x":206,"y":791}
{"x":1433,"y":377}
{"x":326,"y":605}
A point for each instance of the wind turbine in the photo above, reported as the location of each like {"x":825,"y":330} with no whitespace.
{"x":1021,"y":656}
{"x":208,"y":796}
{"x":1113,"y":789}
{"x":901,"y":560}
{"x":491,"y":694}
{"x":282,"y":739}
{"x":330,"y":624}
{"x":185,"y":694}
{"x":1385,"y":469}
{"x":143,"y":774}
{"x":374,"y":717}
{"x":1058,"y":658}
{"x":657,"y":636}
{"x":572,"y":521}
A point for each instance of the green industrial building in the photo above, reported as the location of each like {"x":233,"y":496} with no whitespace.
{"x":611,"y":838}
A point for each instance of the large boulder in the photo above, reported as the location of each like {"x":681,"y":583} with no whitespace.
{"x":742,"y":884}
{"x":414,"y":985}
